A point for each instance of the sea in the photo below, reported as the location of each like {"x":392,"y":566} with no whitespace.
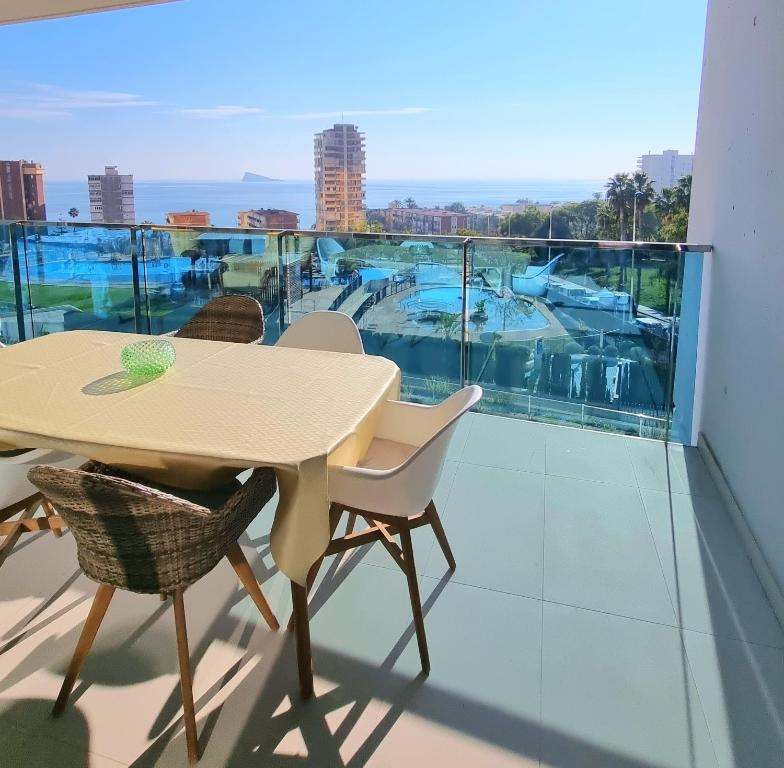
{"x":223,"y":199}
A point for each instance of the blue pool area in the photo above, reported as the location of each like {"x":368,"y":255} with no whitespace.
{"x":159,"y":272}
{"x":500,"y":313}
{"x":375,"y":273}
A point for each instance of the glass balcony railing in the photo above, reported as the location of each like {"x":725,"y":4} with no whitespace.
{"x":590,"y":334}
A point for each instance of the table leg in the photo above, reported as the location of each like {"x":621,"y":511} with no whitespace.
{"x":299,"y":599}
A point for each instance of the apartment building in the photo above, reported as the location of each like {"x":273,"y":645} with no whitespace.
{"x":111,"y":197}
{"x":339,"y":163}
{"x":267,"y":218}
{"x":425,"y":221}
{"x":192,"y":218}
{"x":666,"y":169}
{"x":22,"y":190}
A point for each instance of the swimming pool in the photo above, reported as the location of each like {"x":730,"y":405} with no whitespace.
{"x":513,"y":314}
{"x":163,"y":272}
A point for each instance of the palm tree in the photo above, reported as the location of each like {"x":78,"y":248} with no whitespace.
{"x":682,"y":192}
{"x":409,"y":202}
{"x":73,"y":213}
{"x":620,"y":196}
{"x":665,"y":203}
{"x":644,"y":194}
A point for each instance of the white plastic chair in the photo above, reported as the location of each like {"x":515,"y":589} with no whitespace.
{"x":392,"y":487}
{"x":325,"y":330}
{"x":18,"y":496}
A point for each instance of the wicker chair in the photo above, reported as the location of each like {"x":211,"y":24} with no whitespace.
{"x":143,"y":538}
{"x":227,"y":318}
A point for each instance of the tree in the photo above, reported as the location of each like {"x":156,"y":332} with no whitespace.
{"x":395,"y":204}
{"x":455,"y":208}
{"x":644,"y":194}
{"x":409,"y":202}
{"x":73,"y":213}
{"x":579,"y":220}
{"x":682,"y":192}
{"x":665,"y":203}
{"x":523,"y":224}
{"x":620,"y":196}
{"x":675,"y":227}
{"x":672,"y":206}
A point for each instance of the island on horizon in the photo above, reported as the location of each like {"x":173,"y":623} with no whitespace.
{"x":248,"y":176}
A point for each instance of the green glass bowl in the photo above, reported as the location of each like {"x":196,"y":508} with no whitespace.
{"x":150,"y":357}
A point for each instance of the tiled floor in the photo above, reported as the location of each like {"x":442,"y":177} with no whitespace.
{"x":603,"y":613}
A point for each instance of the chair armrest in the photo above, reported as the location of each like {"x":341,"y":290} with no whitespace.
{"x":409,"y":423}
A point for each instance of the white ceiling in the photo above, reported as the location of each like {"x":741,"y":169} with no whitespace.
{"x":28,"y":10}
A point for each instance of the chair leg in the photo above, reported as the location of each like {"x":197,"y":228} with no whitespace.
{"x":352,"y":521}
{"x":101,"y":601}
{"x":438,"y":530}
{"x":239,"y":562}
{"x":13,"y":537}
{"x":186,"y":682}
{"x":416,"y":603}
{"x":49,"y":512}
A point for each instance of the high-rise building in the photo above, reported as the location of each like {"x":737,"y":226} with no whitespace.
{"x":22,"y":190}
{"x":267,"y":218}
{"x":111,"y":197}
{"x":666,"y":169}
{"x":188,"y":218}
{"x":339,"y":155}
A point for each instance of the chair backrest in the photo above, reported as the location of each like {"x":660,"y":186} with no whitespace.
{"x":405,"y":489}
{"x":235,"y":318}
{"x":325,"y":330}
{"x":132,"y":536}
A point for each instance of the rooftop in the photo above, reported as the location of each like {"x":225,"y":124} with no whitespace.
{"x":603,"y":613}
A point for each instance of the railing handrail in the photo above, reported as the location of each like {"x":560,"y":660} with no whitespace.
{"x":523,"y":242}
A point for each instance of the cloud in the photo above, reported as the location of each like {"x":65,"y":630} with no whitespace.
{"x":40,"y":101}
{"x":356,"y":113}
{"x":221,"y":111}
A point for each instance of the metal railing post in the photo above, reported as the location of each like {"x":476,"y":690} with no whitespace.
{"x":20,"y":313}
{"x":282,"y":285}
{"x":467,"y":243}
{"x":141,"y":326}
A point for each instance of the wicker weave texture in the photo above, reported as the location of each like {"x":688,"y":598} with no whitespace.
{"x":143,"y":538}
{"x":228,"y":318}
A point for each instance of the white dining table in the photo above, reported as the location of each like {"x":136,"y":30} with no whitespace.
{"x":220,"y":409}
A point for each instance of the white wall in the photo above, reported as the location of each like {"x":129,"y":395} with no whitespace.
{"x":738,"y":206}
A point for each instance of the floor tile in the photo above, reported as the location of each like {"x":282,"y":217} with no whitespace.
{"x":693,"y":472}
{"x":712,"y":583}
{"x":460,"y":436}
{"x":495,"y":441}
{"x":500,"y":512}
{"x":22,"y":748}
{"x":653,"y":467}
{"x":372,"y":705}
{"x":599,"y":552}
{"x":741,"y":688}
{"x":617,"y":693}
{"x":587,"y":455}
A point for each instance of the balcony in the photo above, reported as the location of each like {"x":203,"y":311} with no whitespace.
{"x":603,"y":613}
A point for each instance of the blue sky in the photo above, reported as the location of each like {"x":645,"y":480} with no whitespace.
{"x":205,"y":89}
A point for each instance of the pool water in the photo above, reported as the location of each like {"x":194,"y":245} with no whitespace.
{"x":425,"y":305}
{"x":159,"y":272}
